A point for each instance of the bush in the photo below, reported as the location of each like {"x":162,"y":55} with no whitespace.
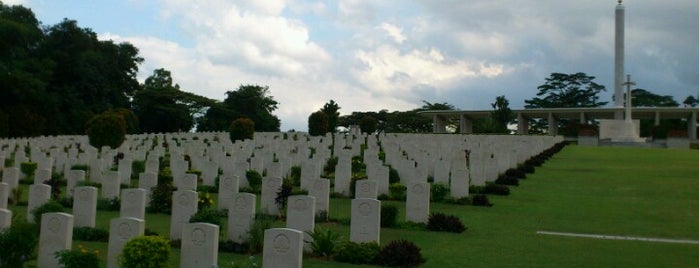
{"x":28,"y":169}
{"x":257,"y":233}
{"x":82,"y":167}
{"x":204,"y":200}
{"x":441,"y":222}
{"x":241,"y":129}
{"x":254,"y":180}
{"x":78,"y":258}
{"x":50,"y":206}
{"x":517,"y":173}
{"x":438,"y":192}
{"x":330,"y":166}
{"x":400,"y":253}
{"x":507,"y":180}
{"x":207,"y":215}
{"x":145,"y":252}
{"x":232,"y":247}
{"x":295,"y":175}
{"x":496,"y":189}
{"x":317,"y":123}
{"x":108,"y":204}
{"x":161,"y":198}
{"x":283,"y":196}
{"x":106,"y":129}
{"x":393,"y":176}
{"x":397,"y":191}
{"x":357,"y":253}
{"x":357,"y":164}
{"x":324,"y":242}
{"x":208,"y":188}
{"x":90,"y":234}
{"x":527,"y":168}
{"x":389,"y":215}
{"x":481,"y":200}
{"x":18,"y":244}
{"x":137,"y":167}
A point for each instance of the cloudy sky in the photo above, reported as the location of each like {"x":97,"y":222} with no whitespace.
{"x":369,"y":55}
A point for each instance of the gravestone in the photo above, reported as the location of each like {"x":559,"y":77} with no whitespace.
{"x":120,"y":231}
{"x":227,"y":188}
{"x":241,"y":216}
{"x":441,"y":172}
{"x":320,"y":189}
{"x":283,"y":248}
{"x":417,"y":204}
{"x":239,"y":169}
{"x":365,"y":220}
{"x":380,"y":174}
{"x":187,"y":181}
{"x":95,"y":169}
{"x":4,"y":194}
{"x":184,"y":205}
{"x":459,"y":183}
{"x":56,"y":234}
{"x":300,"y":214}
{"x":147,"y":181}
{"x":85,"y":206}
{"x":72,"y":179}
{"x":39,"y":194}
{"x":125,"y":169}
{"x":270,"y":187}
{"x":343,"y":176}
{"x":111,"y":184}
{"x":152,"y":165}
{"x":274,"y":169}
{"x":209,"y":172}
{"x":199,"y":245}
{"x":5,"y":219}
{"x":42,"y":175}
{"x":133,"y":203}
{"x":365,"y":189}
{"x":10,"y":175}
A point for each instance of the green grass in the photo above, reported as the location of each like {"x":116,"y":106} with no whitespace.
{"x":596,"y":190}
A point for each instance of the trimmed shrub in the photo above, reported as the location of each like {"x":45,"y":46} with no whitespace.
{"x":389,"y":215}
{"x":295,"y":175}
{"x":90,"y":234}
{"x":161,"y":198}
{"x":232,"y":247}
{"x":507,"y":180}
{"x":397,"y":191}
{"x":204,"y":200}
{"x":283,"y":196}
{"x":358,"y":164}
{"x":517,"y":173}
{"x":317,"y":123}
{"x":50,"y":206}
{"x":438,"y":192}
{"x":207,"y":215}
{"x":108,"y":204}
{"x":324,"y":242}
{"x":401,"y":253}
{"x":78,"y":258}
{"x":106,"y":129}
{"x":145,"y":252}
{"x":496,"y":189}
{"x":241,"y":129}
{"x":28,"y":169}
{"x":254,"y":180}
{"x":527,"y":168}
{"x":441,"y":222}
{"x":481,"y":200}
{"x":357,"y":253}
{"x":18,"y":244}
{"x":393,"y":176}
{"x":330,"y":165}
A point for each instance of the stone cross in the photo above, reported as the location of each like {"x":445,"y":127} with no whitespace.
{"x":628,"y":85}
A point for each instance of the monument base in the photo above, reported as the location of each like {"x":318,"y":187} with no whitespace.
{"x":620,"y":130}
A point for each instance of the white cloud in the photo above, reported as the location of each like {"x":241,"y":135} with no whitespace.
{"x":394,"y":32}
{"x":14,"y":2}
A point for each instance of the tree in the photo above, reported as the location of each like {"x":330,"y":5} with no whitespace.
{"x":645,"y":98}
{"x":502,"y":114}
{"x":317,"y":123}
{"x":565,"y":91}
{"x":106,"y":129}
{"x":251,"y":101}
{"x":690,"y":101}
{"x":241,"y":129}
{"x":331,"y":110}
{"x":368,"y":124}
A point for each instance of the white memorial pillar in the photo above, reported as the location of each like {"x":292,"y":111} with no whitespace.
{"x":619,"y":59}
{"x":522,"y":124}
{"x":465,"y":124}
{"x":692,"y":131}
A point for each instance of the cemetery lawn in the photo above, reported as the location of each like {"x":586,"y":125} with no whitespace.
{"x":650,"y":193}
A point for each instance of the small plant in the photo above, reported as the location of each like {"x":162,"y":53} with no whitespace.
{"x":496,"y":189}
{"x":78,"y":258}
{"x":481,"y":200}
{"x":441,"y":222}
{"x":55,"y":182}
{"x":389,"y":215}
{"x":16,"y":195}
{"x":232,"y":247}
{"x":393,"y":176}
{"x":507,"y":180}
{"x":18,"y":244}
{"x":517,"y":173}
{"x":82,"y":167}
{"x":108,"y":204}
{"x":330,"y":165}
{"x":28,"y":168}
{"x":401,"y":253}
{"x":207,"y":215}
{"x":357,"y":164}
{"x":90,"y":234}
{"x":161,"y":198}
{"x":145,"y":252}
{"x":295,"y":175}
{"x":357,"y":253}
{"x":204,"y":201}
{"x":50,"y":206}
{"x":254,"y":180}
{"x":438,"y":192}
{"x":324,"y":242}
{"x":397,"y":191}
{"x":283,"y":196}
{"x":257,"y":233}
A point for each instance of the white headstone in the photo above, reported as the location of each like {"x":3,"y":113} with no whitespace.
{"x":283,"y":248}
{"x":227,"y":188}
{"x":111,"y":184}
{"x":120,"y":231}
{"x":56,"y":234}
{"x":320,"y":189}
{"x":85,"y":206}
{"x":241,"y":216}
{"x":133,"y":203}
{"x":72,"y":179}
{"x":365,"y":221}
{"x":417,"y":204}
{"x":125,"y":168}
{"x":10,"y":175}
{"x":39,"y":194}
{"x":147,"y":181}
{"x":184,"y":205}
{"x":343,"y":176}
{"x":199,"y":245}
{"x":42,"y":175}
{"x":270,"y":187}
{"x":365,"y":189}
{"x":5,"y":219}
{"x":4,"y":194}
{"x":459,"y":183}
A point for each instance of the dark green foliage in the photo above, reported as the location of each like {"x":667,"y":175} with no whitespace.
{"x":106,"y":129}
{"x":78,"y":258}
{"x":232,"y":247}
{"x":82,"y":167}
{"x":490,"y":188}
{"x":400,"y":253}
{"x":393,"y":176}
{"x":358,"y":164}
{"x":50,"y":206}
{"x":207,"y":189}
{"x":254,"y":180}
{"x":283,"y":196}
{"x":368,"y":124}
{"x":145,"y":252}
{"x":137,"y":167}
{"x":55,"y":182}
{"x":90,"y":234}
{"x":17,"y":244}
{"x":254,"y":102}
{"x":357,"y":253}
{"x":330,"y":165}
{"x":295,"y":175}
{"x":257,"y":233}
{"x":28,"y":168}
{"x":517,"y":173}
{"x":481,"y":200}
{"x":438,"y":192}
{"x":397,"y":191}
{"x":241,"y":129}
{"x":324,"y":242}
{"x":317,"y":124}
{"x":207,"y":215}
{"x":108,"y":204}
{"x":526,"y":168}
{"x":441,"y":222}
{"x":161,"y":198}
{"x":507,"y":180}
{"x":129,"y":118}
{"x":389,"y":215}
